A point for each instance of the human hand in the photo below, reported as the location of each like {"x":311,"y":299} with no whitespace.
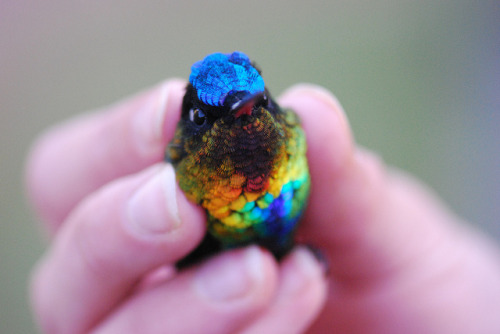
{"x":119,"y":224}
{"x":400,"y":262}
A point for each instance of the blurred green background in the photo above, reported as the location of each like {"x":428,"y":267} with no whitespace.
{"x":419,"y":80}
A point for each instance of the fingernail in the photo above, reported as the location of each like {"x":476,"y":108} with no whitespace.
{"x":152,"y":209}
{"x":306,"y":97}
{"x":231,"y":276}
{"x":318,"y":92}
{"x":160,"y":108}
{"x":169,"y":100}
{"x":149,"y":120}
{"x":306,"y":268}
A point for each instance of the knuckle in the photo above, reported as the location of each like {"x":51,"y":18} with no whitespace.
{"x":97,"y":256}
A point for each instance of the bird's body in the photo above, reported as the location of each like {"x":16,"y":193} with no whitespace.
{"x":240,"y":156}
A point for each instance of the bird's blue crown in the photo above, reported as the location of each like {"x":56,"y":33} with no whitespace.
{"x":219,"y":75}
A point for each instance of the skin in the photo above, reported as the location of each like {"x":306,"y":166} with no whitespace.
{"x":400,"y":261}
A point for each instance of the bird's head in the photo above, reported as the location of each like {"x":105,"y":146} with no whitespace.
{"x":223,"y":87}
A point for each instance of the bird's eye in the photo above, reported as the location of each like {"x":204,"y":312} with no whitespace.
{"x":197,"y":116}
{"x":263,"y":101}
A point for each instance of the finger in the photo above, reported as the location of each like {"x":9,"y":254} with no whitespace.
{"x":116,"y":236}
{"x":330,"y":155}
{"x":301,"y":294}
{"x":219,"y":297}
{"x":75,"y":158}
{"x":362,"y":215}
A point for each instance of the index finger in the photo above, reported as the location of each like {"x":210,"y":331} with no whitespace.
{"x":369,"y":220}
{"x":75,"y":158}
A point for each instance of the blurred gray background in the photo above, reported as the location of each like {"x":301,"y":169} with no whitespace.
{"x":419,"y":80}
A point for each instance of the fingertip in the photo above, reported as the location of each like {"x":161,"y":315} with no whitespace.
{"x":170,"y":94}
{"x":303,"y":289}
{"x":330,"y":154}
{"x":300,"y":296}
{"x":303,"y":271}
{"x":159,"y":207}
{"x":319,"y":97}
{"x":188,"y":211}
{"x":316,"y":91}
{"x":73,"y":159}
{"x":247,"y":275}
{"x":329,"y":138}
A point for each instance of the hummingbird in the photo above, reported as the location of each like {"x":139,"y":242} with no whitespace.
{"x":240,"y":156}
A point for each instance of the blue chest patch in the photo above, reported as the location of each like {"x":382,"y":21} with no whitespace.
{"x":219,"y":75}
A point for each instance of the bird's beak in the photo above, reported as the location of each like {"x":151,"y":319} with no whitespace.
{"x":245,"y":105}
